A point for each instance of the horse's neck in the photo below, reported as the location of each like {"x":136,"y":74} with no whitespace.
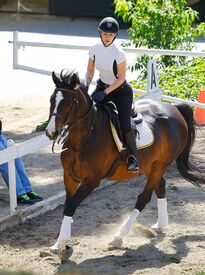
{"x":82,"y":130}
{"x":83,"y":104}
{"x":84,"y":116}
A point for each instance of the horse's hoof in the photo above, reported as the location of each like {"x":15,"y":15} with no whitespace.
{"x":116,"y":242}
{"x":54,"y":249}
{"x":155,"y":226}
{"x":66,"y":254}
{"x":158,"y":226}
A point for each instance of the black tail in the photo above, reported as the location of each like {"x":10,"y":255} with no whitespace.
{"x":187,"y":168}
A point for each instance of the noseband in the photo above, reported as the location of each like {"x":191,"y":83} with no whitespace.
{"x":56,"y":115}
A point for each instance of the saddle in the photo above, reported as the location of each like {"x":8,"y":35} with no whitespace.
{"x":143,"y":134}
{"x":136,"y":118}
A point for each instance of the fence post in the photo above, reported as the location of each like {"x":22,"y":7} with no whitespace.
{"x":153,"y":89}
{"x":15,"y":49}
{"x":12,"y":181}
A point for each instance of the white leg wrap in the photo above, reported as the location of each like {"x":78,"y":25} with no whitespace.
{"x":125,"y":227}
{"x":162,"y":214}
{"x":65,"y":234}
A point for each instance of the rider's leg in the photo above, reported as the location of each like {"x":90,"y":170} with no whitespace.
{"x":123,"y":98}
{"x":132,"y":163}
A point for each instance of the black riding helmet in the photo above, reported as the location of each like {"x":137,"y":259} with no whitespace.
{"x":108,"y":24}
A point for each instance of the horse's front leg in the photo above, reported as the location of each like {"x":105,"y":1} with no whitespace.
{"x":65,"y":233}
{"x":71,"y":186}
{"x":71,"y":204}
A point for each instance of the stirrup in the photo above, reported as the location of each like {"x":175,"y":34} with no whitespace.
{"x":132,"y":164}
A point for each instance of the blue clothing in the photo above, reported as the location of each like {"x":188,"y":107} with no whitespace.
{"x":23,"y":184}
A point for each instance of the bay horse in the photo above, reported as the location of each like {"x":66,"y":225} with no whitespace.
{"x":89,"y":150}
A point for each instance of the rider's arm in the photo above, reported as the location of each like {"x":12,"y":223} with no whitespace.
{"x":90,"y":72}
{"x":121,"y":70}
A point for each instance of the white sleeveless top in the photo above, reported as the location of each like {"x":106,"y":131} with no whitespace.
{"x":106,"y":59}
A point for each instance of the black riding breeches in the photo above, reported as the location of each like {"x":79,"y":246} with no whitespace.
{"x":122,"y":97}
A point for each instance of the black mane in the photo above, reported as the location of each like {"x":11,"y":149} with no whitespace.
{"x":70,"y":79}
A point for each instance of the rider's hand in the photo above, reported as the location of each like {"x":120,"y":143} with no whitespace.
{"x":98,"y":96}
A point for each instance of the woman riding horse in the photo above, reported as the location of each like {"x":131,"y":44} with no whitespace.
{"x":89,"y":150}
{"x":110,"y":60}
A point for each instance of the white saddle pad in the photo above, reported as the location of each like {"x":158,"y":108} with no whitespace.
{"x":146,"y":137}
{"x":143,"y":140}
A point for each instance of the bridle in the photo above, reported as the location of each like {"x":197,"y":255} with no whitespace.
{"x":74,"y":100}
{"x":66,"y":129}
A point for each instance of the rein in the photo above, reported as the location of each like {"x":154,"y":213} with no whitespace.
{"x":90,"y":130}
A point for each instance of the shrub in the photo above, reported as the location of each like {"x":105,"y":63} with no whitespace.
{"x":159,"y":24}
{"x":182,"y":82}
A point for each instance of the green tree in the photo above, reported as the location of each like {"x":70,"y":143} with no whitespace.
{"x":159,"y":24}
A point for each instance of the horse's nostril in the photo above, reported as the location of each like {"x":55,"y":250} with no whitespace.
{"x":50,"y":135}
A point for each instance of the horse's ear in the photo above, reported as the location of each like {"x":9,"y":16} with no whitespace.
{"x":75,"y":81}
{"x":56,"y":79}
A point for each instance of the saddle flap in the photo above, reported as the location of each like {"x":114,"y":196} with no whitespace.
{"x":144,"y":137}
{"x":143,"y":133}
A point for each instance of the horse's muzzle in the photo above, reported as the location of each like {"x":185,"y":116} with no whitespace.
{"x":52,"y":136}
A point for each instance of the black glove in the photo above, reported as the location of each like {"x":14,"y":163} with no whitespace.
{"x":98,"y":96}
{"x":0,"y":126}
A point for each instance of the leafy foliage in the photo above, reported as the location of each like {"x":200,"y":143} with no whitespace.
{"x":159,"y":24}
{"x":182,"y":82}
{"x":42,"y":126}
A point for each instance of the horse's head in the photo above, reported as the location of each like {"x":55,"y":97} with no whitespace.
{"x":62,"y":102}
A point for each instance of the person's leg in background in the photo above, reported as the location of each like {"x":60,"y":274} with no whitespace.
{"x":23,"y":184}
{"x":25,"y":181}
{"x":20,"y":191}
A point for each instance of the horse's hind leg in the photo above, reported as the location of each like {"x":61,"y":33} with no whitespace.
{"x":161,"y":205}
{"x":154,"y":177}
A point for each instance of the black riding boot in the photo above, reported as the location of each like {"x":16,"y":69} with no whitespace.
{"x":132,"y":163}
